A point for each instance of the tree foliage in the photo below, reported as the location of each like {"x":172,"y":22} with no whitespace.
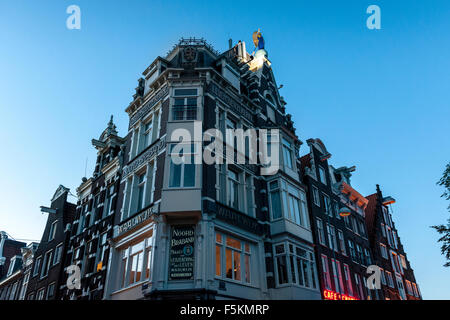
{"x":444,"y":230}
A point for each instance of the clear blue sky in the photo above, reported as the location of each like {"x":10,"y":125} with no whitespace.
{"x":379,"y":99}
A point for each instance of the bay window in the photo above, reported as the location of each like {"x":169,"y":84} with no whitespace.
{"x":292,"y":203}
{"x":295,"y":265}
{"x":182,"y":174}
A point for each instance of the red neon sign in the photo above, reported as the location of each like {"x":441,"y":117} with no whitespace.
{"x":331,"y":295}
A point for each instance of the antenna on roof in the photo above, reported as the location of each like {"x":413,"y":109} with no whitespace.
{"x":230,"y":43}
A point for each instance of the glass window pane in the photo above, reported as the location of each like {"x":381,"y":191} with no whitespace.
{"x":229,"y":264}
{"x":247,"y":268}
{"x":276,"y":204}
{"x":189,"y":174}
{"x":218,"y":260}
{"x":175,"y":175}
{"x":237,"y":265}
{"x":233,"y":243}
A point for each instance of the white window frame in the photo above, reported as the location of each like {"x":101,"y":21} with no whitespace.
{"x":52,"y":233}
{"x":187,"y":152}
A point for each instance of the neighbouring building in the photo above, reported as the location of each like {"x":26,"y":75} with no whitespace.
{"x":338,"y":219}
{"x":47,"y":267}
{"x":88,"y":247}
{"x":10,"y":249}
{"x":14,"y":285}
{"x":397,"y":276}
{"x":209,"y":231}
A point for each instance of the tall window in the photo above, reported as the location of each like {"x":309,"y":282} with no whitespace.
{"x":332,"y":243}
{"x":337,"y":276}
{"x":336,"y":209}
{"x":136,"y":262}
{"x":395,"y":263}
{"x":383,"y":277}
{"x":400,"y":286}
{"x":383,"y":230}
{"x":383,"y":251}
{"x":302,"y":266}
{"x":326,"y":273}
{"x":26,"y":278}
{"x":147,"y":133}
{"x":295,"y":265}
{"x":359,"y":254}
{"x":182,"y":175}
{"x":46,"y":263}
{"x":233,"y":189}
{"x":403,"y":261}
{"x":57,"y":255}
{"x":140,"y":191}
{"x":326,"y":204}
{"x":50,"y":290}
{"x":109,"y":201}
{"x":233,"y":258}
{"x":359,"y":286}
{"x":390,"y":280}
{"x":287,"y":153}
{"x":275,"y":200}
{"x":320,"y":231}
{"x":281,"y":261}
{"x":322,"y":175}
{"x":342,"y":242}
{"x":52,"y":232}
{"x":185,"y":104}
{"x":102,"y":249}
{"x":409,"y":287}
{"x":367,"y":257}
{"x":40,"y":294}
{"x":316,"y":199}
{"x":351,"y":247}
{"x":348,"y":280}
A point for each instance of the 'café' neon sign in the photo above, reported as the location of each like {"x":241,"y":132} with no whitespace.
{"x":331,"y":295}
